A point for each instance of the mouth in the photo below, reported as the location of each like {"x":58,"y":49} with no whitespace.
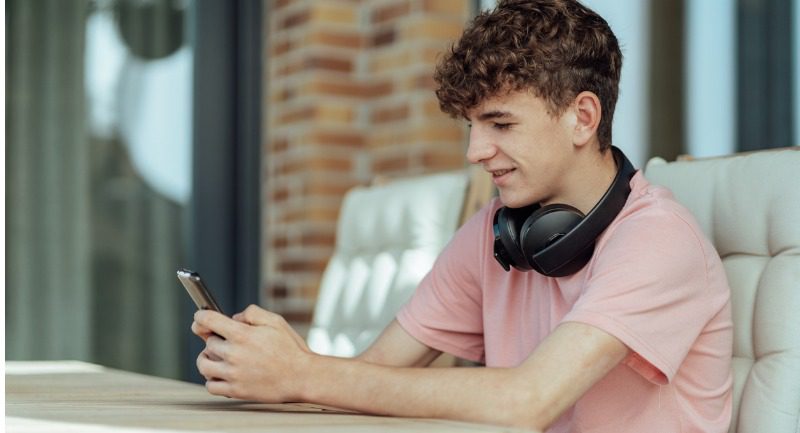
{"x":501,"y":177}
{"x":500,"y":173}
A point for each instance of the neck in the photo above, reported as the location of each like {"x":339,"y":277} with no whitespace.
{"x":592,"y":176}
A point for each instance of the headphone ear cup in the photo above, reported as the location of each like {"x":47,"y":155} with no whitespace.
{"x":545,"y":227}
{"x":509,"y":222}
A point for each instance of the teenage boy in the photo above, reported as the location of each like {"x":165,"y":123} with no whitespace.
{"x":608,"y":310}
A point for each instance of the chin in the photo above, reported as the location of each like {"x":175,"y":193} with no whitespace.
{"x":516,"y":202}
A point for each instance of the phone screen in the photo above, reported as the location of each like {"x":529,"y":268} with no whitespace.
{"x":197,"y":290}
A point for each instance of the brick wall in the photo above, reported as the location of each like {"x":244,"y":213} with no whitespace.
{"x":349,"y":97}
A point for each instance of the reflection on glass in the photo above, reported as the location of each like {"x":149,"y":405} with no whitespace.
{"x":99,"y":175}
{"x":138,"y":85}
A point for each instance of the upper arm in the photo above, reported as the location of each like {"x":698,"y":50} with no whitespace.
{"x":396,"y":347}
{"x":659,"y":275}
{"x":565,"y":365}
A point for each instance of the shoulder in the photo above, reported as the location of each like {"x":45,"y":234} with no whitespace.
{"x":476,"y":233}
{"x":656,"y":232}
{"x":470,"y":245}
{"x":652,"y":213}
{"x":482,"y":219}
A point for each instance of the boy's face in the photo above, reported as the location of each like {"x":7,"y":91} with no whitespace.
{"x":527,"y":151}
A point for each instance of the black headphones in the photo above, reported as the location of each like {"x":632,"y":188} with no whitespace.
{"x":558,"y":240}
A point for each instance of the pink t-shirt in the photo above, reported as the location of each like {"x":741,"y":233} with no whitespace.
{"x":654,"y":282}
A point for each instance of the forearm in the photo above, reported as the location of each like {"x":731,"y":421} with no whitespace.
{"x":396,"y":348}
{"x":259,"y":357}
{"x":532,"y":395}
{"x":468,"y":394}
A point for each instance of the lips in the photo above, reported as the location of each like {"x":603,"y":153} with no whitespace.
{"x":501,"y":177}
{"x":498,"y":173}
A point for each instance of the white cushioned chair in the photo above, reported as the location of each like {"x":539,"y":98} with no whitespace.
{"x":387,"y":239}
{"x":749,"y":206}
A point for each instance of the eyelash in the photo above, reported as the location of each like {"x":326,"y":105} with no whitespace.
{"x":499,"y":126}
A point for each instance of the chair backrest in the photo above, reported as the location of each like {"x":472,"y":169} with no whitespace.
{"x":749,"y":206}
{"x":387,"y":239}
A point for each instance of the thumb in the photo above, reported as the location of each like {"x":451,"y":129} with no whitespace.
{"x":255,"y":315}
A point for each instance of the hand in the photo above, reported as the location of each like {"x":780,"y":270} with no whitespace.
{"x":201,"y":331}
{"x":255,"y":355}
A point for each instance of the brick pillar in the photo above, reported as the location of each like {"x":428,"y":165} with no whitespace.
{"x":349,"y":97}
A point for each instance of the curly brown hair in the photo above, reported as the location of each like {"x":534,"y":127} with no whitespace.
{"x":555,"y":48}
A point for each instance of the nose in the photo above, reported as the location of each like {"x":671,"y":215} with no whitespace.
{"x":480,"y":146}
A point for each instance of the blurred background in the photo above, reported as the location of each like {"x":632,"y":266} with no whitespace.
{"x":147,"y":135}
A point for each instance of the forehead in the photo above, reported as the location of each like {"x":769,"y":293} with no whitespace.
{"x":507,"y":104}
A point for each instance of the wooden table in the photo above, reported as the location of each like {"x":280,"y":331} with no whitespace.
{"x":70,"y":396}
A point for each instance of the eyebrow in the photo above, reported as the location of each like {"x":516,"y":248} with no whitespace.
{"x":493,"y":115}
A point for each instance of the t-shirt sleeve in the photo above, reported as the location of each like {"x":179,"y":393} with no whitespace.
{"x":648,"y":286}
{"x":445,"y":312}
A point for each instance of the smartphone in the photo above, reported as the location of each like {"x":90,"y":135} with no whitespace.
{"x":197,"y":290}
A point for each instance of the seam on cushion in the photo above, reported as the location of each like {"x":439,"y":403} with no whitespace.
{"x":753,"y":310}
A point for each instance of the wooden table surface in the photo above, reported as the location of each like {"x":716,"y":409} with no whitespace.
{"x":71,"y":396}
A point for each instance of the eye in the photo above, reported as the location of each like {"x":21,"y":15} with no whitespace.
{"x":502,"y":126}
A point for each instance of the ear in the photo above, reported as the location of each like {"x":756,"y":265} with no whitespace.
{"x":587,"y":115}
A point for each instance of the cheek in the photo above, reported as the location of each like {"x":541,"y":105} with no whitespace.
{"x":541,"y":178}
{"x":522,"y":193}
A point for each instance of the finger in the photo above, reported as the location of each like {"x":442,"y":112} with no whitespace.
{"x":201,"y":331}
{"x":210,"y":355}
{"x":255,"y":315}
{"x":218,"y":323}
{"x":211,"y":369}
{"x":219,"y":387}
{"x":217,"y":348}
{"x":200,"y":370}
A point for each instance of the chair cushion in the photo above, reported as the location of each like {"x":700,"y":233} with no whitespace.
{"x":749,"y":206}
{"x":387,"y":239}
